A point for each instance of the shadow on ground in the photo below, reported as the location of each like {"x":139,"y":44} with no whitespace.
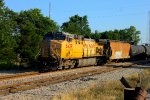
{"x":17,"y":69}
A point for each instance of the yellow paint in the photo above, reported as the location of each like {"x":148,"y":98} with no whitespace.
{"x":74,"y":49}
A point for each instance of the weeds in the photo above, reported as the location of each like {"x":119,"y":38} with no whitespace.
{"x":108,"y":91}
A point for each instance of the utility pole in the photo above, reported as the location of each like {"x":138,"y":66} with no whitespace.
{"x":149,"y":26}
{"x":49,"y":9}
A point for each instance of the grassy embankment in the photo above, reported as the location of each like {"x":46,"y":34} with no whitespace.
{"x":107,"y":91}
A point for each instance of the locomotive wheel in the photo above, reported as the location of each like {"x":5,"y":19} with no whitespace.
{"x":71,"y":66}
{"x":102,"y":61}
{"x":53,"y":68}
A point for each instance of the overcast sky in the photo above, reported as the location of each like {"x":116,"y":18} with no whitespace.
{"x":102,"y":14}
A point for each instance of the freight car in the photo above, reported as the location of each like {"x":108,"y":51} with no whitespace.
{"x":63,"y":51}
{"x":116,"y":50}
{"x":139,"y":52}
{"x":119,"y":50}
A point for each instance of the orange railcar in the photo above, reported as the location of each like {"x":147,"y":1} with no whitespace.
{"x":119,"y":50}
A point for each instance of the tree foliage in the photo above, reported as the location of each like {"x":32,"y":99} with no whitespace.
{"x":128,"y":34}
{"x":7,"y":33}
{"x":95,"y":35}
{"x":77,"y":25}
{"x":32,"y":27}
{"x":21,"y":33}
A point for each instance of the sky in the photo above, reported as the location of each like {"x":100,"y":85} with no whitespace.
{"x":102,"y":14}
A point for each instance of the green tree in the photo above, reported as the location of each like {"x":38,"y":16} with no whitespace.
{"x":7,"y":33}
{"x":128,"y":34}
{"x":32,"y":27}
{"x":134,"y":34}
{"x":95,"y":35}
{"x":104,"y":35}
{"x":113,"y":35}
{"x":77,"y":25}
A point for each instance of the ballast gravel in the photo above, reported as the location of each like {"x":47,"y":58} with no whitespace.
{"x":46,"y":75}
{"x":47,"y":92}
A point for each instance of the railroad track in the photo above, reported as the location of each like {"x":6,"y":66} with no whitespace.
{"x":30,"y":74}
{"x":112,"y":64}
{"x":4,"y":90}
{"x":7,"y":77}
{"x":124,"y":64}
{"x":13,"y":88}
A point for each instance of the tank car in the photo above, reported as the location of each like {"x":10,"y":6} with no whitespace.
{"x":147,"y":51}
{"x":138,"y":52}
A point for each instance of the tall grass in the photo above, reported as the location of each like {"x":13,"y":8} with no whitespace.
{"x":108,"y":91}
{"x":140,"y":80}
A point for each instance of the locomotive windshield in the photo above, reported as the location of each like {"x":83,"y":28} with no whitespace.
{"x":55,"y":36}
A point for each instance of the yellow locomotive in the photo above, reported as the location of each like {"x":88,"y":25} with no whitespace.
{"x":63,"y":50}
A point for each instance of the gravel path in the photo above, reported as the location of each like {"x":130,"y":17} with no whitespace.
{"x":47,"y":92}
